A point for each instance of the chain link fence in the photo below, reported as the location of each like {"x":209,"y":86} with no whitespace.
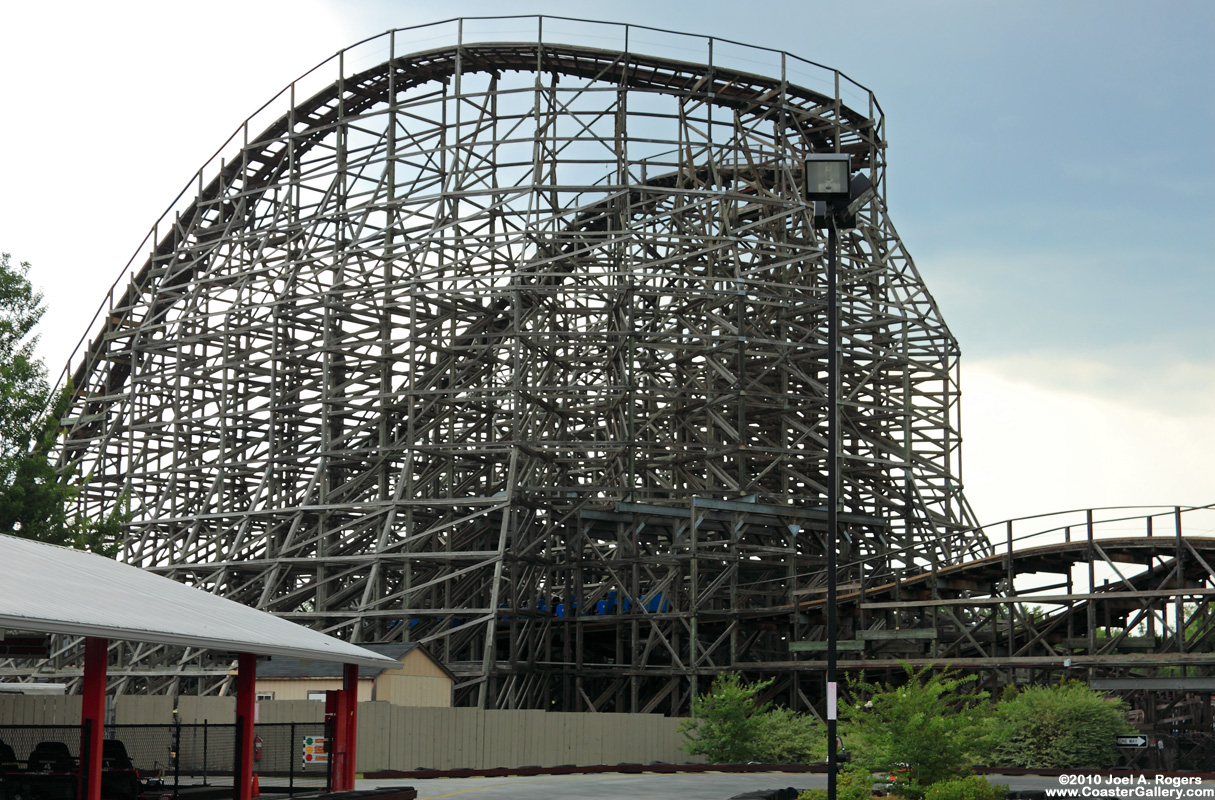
{"x":41,"y":762}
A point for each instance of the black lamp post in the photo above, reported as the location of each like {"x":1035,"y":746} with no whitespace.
{"x":830,"y":184}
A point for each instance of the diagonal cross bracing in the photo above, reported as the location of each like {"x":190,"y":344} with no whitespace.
{"x":430,"y":355}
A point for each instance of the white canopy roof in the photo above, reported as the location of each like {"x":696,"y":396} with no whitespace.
{"x":54,"y":589}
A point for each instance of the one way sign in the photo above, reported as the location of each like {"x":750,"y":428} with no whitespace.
{"x":1132,"y":741}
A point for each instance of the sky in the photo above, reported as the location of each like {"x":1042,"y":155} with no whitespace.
{"x":1051,"y":168}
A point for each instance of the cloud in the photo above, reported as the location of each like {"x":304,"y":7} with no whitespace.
{"x":1134,"y":379}
{"x":1082,"y":308}
{"x":122,"y":103}
{"x":1125,"y":320}
{"x":1035,"y":446}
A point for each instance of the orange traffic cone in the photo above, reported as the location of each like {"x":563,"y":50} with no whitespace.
{"x":257,"y":792}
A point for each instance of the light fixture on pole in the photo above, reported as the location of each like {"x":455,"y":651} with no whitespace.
{"x":828,"y":176}
{"x":830,"y":184}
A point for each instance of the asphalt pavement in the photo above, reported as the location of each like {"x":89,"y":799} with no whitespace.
{"x":648,"y":786}
{"x":604,"y":786}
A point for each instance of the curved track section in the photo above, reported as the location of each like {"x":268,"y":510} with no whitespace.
{"x":517,"y":349}
{"x":1105,"y":594}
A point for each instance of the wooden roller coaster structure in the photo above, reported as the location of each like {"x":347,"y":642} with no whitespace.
{"x":518,"y":349}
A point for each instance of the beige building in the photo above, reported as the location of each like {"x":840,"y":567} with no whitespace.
{"x":419,"y":681}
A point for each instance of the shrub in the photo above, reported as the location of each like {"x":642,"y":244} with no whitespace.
{"x":1062,"y":727}
{"x":726,"y":722}
{"x":928,"y":729}
{"x":972,"y":787}
{"x":730,"y":726}
{"x":785,"y":737}
{"x":854,"y":783}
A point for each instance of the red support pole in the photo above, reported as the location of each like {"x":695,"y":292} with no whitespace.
{"x":246,"y":696}
{"x":92,"y":717}
{"x":336,"y":711}
{"x":350,"y":683}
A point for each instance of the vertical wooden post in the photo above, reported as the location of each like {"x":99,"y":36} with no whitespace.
{"x":1179,"y":568}
{"x":1010,"y":571}
{"x":1091,"y":607}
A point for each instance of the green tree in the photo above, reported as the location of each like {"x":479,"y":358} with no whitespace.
{"x":34,"y":502}
{"x":927,"y":730}
{"x":23,"y":387}
{"x":1065,"y":727}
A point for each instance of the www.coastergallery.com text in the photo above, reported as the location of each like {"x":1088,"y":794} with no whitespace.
{"x":1156,"y":787}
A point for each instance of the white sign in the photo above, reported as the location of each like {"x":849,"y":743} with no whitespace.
{"x":1132,"y":741}
{"x":315,"y":751}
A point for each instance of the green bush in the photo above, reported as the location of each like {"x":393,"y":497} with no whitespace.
{"x":1059,"y":727}
{"x":972,"y":787}
{"x":785,"y":737}
{"x":730,"y":726}
{"x":854,"y":783}
{"x":926,"y":731}
{"x":726,"y":722}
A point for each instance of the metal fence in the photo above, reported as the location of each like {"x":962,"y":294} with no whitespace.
{"x":182,"y":755}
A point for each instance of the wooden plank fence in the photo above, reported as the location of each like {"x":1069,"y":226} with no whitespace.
{"x":406,"y":738}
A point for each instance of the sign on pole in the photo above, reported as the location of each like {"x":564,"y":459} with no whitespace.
{"x":1132,"y":741}
{"x":315,"y":750}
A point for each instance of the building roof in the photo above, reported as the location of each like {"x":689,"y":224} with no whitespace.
{"x":303,"y":668}
{"x":54,"y":589}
